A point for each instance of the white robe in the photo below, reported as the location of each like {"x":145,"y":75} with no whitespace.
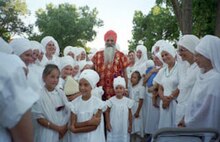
{"x":46,"y":108}
{"x":186,"y":83}
{"x":136,"y":93}
{"x":203,"y":110}
{"x":119,"y":119}
{"x":169,"y":81}
{"x":85,"y":111}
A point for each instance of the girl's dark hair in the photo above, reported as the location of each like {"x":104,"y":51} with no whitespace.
{"x":48,"y":69}
{"x":139,"y":75}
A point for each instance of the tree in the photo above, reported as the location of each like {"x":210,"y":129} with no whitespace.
{"x":10,"y":18}
{"x":67,"y":24}
{"x":158,"y":24}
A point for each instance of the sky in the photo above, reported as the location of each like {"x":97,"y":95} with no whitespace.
{"x":117,"y":15}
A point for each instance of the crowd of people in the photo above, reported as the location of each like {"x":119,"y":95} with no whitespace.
{"x":107,"y":95}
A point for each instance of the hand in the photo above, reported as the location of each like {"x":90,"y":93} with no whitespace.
{"x":129,"y":128}
{"x":95,"y":120}
{"x":108,"y":127}
{"x":154,"y":101}
{"x":166,"y":103}
{"x":62,"y":131}
{"x":136,"y":115}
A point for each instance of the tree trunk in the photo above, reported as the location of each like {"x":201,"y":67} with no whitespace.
{"x":187,"y":17}
{"x":177,"y":12}
{"x":217,"y":25}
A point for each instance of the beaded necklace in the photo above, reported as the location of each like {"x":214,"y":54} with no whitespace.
{"x":167,"y":73}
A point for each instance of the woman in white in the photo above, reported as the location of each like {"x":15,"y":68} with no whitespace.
{"x":203,"y":110}
{"x":167,"y":78}
{"x":51,"y":49}
{"x":186,"y":49}
{"x":87,"y":123}
{"x":118,"y":114}
{"x":51,"y":112}
{"x":141,"y":59}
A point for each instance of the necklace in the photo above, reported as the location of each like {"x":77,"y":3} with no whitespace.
{"x":169,"y":73}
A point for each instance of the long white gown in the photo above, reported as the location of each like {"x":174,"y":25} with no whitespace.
{"x":169,"y":80}
{"x":203,"y":110}
{"x":119,"y":119}
{"x":136,"y":93}
{"x":84,"y":111}
{"x":46,"y":108}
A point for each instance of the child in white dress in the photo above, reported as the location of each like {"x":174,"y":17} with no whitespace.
{"x":118,"y":114}
{"x":86,"y":116}
{"x":136,"y":93}
{"x":51,"y":112}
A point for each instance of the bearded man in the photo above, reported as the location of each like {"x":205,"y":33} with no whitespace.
{"x":110,"y":63}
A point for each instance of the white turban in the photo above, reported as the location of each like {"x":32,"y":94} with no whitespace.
{"x":209,"y":47}
{"x":156,"y":47}
{"x":5,"y":47}
{"x":36,"y":45}
{"x":165,"y":46}
{"x":46,"y":40}
{"x":67,"y":50}
{"x":66,"y":61}
{"x":119,"y":81}
{"x":91,"y":76}
{"x":20,"y":45}
{"x":189,"y":42}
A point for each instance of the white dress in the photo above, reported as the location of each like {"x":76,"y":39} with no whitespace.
{"x":186,"y":83}
{"x":203,"y":110}
{"x":16,"y":97}
{"x":136,"y":93}
{"x":47,"y":107}
{"x":169,"y":81}
{"x":119,"y":119}
{"x":85,"y":111}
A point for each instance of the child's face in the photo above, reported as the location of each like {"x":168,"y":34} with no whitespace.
{"x":84,"y":87}
{"x":66,"y":71}
{"x":52,"y":79}
{"x":134,"y":78}
{"x":119,"y":90}
{"x":75,"y":70}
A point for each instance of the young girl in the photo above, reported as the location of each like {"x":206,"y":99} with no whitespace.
{"x":86,"y":116}
{"x":136,"y":93}
{"x":50,"y":111}
{"x":118,"y":114}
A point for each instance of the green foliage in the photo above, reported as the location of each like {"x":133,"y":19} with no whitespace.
{"x":10,"y":18}
{"x":158,"y":24}
{"x":67,"y":24}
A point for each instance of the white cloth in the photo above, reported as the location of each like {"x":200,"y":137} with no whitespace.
{"x":16,"y":97}
{"x":91,"y":76}
{"x":209,"y":47}
{"x":55,"y":60}
{"x":140,"y":64}
{"x":169,"y":80}
{"x":46,"y":108}
{"x":119,"y":119}
{"x":119,"y":81}
{"x":20,"y":45}
{"x":5,"y":47}
{"x":136,"y":93}
{"x":66,"y":61}
{"x":84,"y":110}
{"x":186,"y":83}
{"x":203,"y":110}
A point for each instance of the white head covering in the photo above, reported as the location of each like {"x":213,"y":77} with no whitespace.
{"x":119,"y":81}
{"x":67,"y":50}
{"x":156,"y":47}
{"x":165,"y":46}
{"x":5,"y":47}
{"x":65,"y":61}
{"x":189,"y":42}
{"x":143,"y":50}
{"x":20,"y":45}
{"x":46,"y":40}
{"x":36,"y":45}
{"x":91,"y":76}
{"x":209,"y":47}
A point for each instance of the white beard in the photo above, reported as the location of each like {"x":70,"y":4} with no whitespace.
{"x":109,"y":54}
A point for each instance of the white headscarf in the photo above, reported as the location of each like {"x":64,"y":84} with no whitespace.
{"x":66,"y":61}
{"x":119,"y":81}
{"x":189,"y":42}
{"x":20,"y":45}
{"x":165,"y":46}
{"x":46,"y":40}
{"x":209,"y":47}
{"x":143,"y":58}
{"x":91,"y":76}
{"x":5,"y":47}
{"x":156,"y":47}
{"x":67,"y":50}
